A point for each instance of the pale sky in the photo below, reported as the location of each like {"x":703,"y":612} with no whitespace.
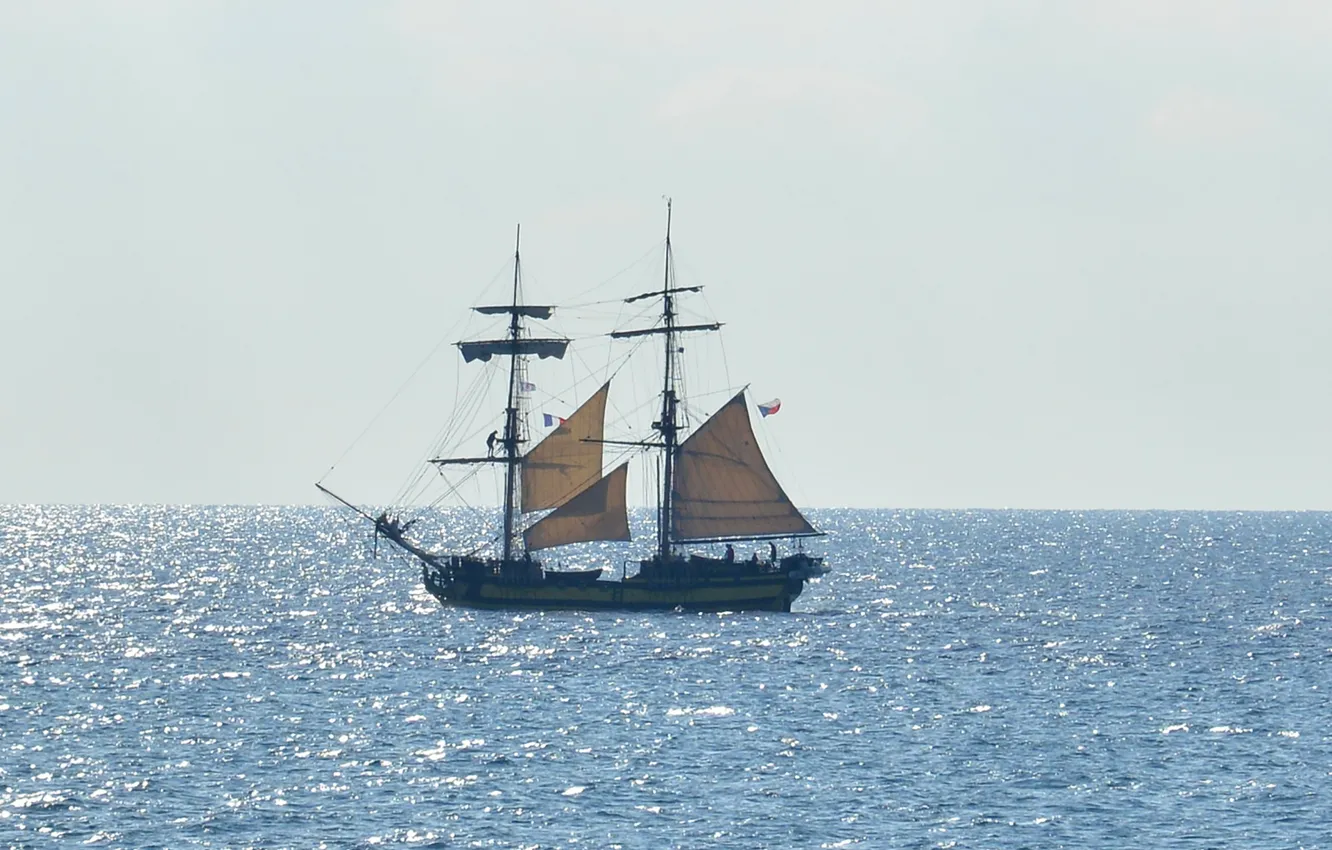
{"x":989,"y":254}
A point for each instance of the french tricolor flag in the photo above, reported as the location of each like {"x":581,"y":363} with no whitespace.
{"x":552,"y":420}
{"x":768,"y":408}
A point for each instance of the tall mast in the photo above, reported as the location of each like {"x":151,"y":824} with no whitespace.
{"x":511,"y":436}
{"x":516,"y":344}
{"x":667,"y":426}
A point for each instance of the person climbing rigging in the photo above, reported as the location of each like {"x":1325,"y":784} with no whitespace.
{"x":490,"y":443}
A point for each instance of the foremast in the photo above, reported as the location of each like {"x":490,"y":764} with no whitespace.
{"x":516,"y":345}
{"x":511,"y":422}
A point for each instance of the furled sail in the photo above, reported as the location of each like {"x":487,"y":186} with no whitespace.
{"x":534,"y":311}
{"x":597,"y":513}
{"x":568,"y":459}
{"x":723,"y":487}
{"x":485,"y":349}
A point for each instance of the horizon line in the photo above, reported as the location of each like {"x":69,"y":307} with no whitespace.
{"x":972,"y":509}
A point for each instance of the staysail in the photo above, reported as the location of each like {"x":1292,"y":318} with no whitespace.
{"x":723,"y":487}
{"x":568,"y":459}
{"x":597,"y":513}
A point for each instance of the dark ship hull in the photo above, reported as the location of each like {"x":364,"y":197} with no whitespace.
{"x":693,"y":584}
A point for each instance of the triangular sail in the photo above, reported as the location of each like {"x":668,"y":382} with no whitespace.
{"x":568,"y":459}
{"x":723,"y":487}
{"x":597,"y":513}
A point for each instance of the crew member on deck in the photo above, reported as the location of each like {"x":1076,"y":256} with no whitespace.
{"x":772,"y":552}
{"x":490,"y":443}
{"x":730,"y":554}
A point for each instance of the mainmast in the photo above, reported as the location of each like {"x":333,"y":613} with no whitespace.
{"x":668,"y":425}
{"x":511,"y":435}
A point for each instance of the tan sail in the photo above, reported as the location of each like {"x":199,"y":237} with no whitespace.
{"x":565,"y":462}
{"x":723,"y":487}
{"x":597,"y":513}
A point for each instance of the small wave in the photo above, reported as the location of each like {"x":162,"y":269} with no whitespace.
{"x":715,"y":711}
{"x":1178,"y":727}
{"x":100,"y":836}
{"x":710,"y":711}
{"x":435,"y":753}
{"x":39,"y":800}
{"x":1229,"y":730}
{"x":20,"y":625}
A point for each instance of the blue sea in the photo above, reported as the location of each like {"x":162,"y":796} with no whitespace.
{"x":252,"y":677}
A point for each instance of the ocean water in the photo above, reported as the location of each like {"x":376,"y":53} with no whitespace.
{"x":250,"y":677}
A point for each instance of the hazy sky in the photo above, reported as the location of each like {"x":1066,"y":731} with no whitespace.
{"x":989,"y":254}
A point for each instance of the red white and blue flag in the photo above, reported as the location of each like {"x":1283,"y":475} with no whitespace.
{"x":552,"y":420}
{"x":768,"y":408}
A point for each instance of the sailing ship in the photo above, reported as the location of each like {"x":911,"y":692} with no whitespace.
{"x":714,"y":487}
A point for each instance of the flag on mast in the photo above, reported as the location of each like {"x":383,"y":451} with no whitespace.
{"x":552,"y":420}
{"x":768,"y":408}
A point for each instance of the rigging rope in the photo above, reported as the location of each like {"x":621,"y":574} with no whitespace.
{"x":382,"y":410}
{"x":594,"y":288}
{"x":461,"y":322}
